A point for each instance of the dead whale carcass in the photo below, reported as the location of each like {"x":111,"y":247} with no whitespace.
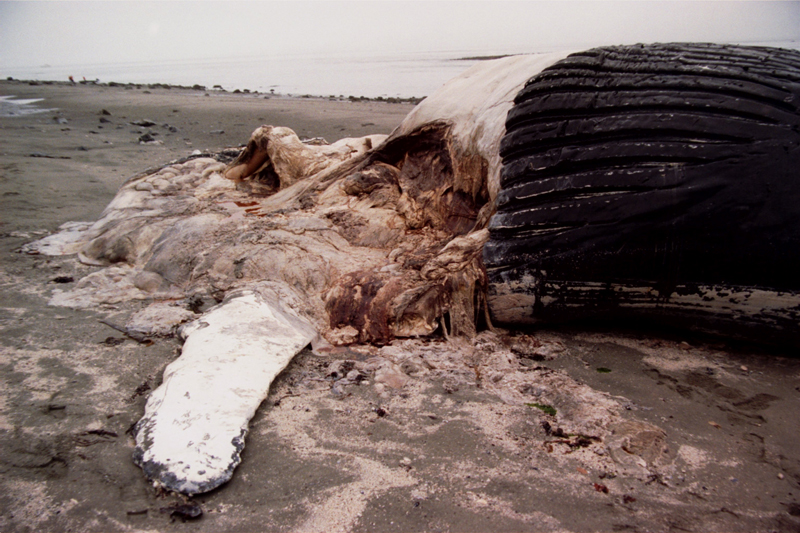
{"x":361,"y":241}
{"x":654,"y":181}
{"x":364,"y":240}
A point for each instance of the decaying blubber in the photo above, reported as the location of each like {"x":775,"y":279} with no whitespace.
{"x":649,"y":181}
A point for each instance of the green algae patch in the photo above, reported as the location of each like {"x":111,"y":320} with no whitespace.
{"x":546,"y":409}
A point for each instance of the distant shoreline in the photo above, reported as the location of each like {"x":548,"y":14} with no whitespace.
{"x":216,"y":89}
{"x":482,"y":58}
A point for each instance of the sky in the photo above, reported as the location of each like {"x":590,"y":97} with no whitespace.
{"x":76,"y":33}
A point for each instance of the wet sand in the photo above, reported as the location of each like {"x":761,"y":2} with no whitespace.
{"x":577,"y":429}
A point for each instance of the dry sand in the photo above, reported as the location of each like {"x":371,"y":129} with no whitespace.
{"x":652,"y":431}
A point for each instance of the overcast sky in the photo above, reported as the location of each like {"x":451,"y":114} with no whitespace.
{"x":67,"y":32}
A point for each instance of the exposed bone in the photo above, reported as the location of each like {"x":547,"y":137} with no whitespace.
{"x":278,"y":159}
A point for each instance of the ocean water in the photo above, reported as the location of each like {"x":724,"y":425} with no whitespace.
{"x":16,"y":107}
{"x":401,"y":76}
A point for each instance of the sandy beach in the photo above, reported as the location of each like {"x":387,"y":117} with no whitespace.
{"x":704,"y":430}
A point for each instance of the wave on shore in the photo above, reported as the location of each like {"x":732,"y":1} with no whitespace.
{"x":340,"y":76}
{"x":14,"y":108}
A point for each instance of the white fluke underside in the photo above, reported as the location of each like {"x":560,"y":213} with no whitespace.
{"x":193,"y":429}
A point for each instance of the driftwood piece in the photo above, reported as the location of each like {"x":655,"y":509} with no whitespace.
{"x":657,"y":181}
